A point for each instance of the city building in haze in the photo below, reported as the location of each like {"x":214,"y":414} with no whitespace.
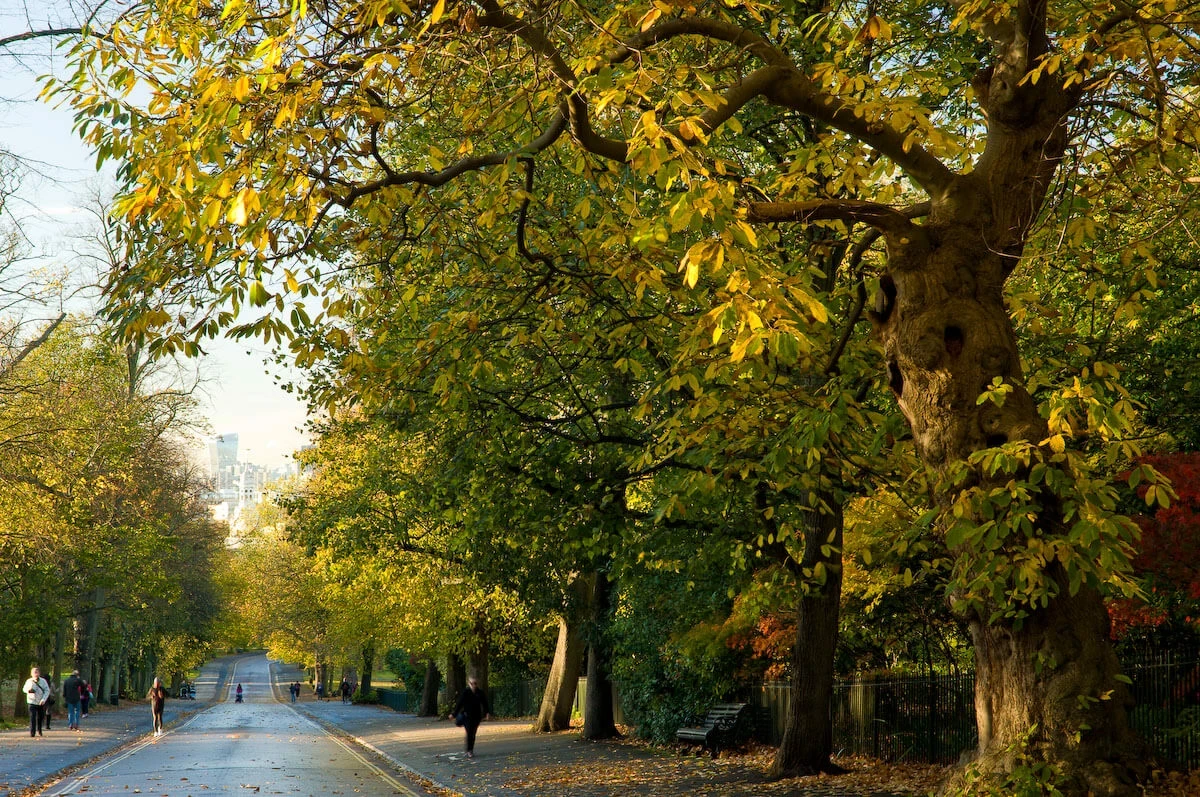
{"x":237,"y":485}
{"x":222,"y":460}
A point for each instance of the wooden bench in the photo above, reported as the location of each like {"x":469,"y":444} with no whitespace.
{"x":722,"y":727}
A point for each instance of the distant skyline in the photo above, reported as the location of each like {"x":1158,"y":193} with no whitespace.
{"x":238,"y":395}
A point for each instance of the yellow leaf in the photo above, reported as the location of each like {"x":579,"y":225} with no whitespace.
{"x":241,"y":88}
{"x":237,"y":210}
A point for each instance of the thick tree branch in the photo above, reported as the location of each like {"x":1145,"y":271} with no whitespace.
{"x":886,"y":219}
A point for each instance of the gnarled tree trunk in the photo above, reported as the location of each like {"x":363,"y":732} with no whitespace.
{"x":1046,"y":686}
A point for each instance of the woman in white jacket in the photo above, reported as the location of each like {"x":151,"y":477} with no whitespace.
{"x":37,"y":692}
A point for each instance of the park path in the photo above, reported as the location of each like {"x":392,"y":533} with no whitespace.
{"x":25,"y":762}
{"x":509,"y":762}
{"x":512,"y":762}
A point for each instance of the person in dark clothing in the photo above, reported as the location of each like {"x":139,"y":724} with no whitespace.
{"x":85,"y":698}
{"x":470,"y":710}
{"x":158,"y":702}
{"x":345,"y":690}
{"x":70,"y":694}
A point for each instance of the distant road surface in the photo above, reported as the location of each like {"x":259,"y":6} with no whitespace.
{"x":258,"y":747}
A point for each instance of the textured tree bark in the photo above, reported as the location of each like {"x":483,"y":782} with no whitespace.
{"x":1046,"y":687}
{"x":559,"y":698}
{"x":429,"y":693}
{"x":808,"y":735}
{"x":598,"y":719}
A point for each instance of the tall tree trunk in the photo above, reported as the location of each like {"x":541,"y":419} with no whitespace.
{"x":598,"y":719}
{"x":429,"y":693}
{"x":60,"y":642}
{"x":808,"y":735}
{"x":368,"y":668}
{"x":456,"y":677}
{"x":559,"y":698}
{"x":108,"y":683}
{"x":87,"y":635}
{"x":478,"y":663}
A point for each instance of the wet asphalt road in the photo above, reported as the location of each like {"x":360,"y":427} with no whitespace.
{"x":257,"y":747}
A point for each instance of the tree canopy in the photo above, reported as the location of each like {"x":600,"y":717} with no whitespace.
{"x":648,"y":232}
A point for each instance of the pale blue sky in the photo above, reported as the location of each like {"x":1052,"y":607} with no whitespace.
{"x":240,"y":396}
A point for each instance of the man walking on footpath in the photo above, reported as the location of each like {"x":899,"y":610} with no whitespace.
{"x":70,"y":692}
{"x":470,"y":710}
{"x":37,"y":692}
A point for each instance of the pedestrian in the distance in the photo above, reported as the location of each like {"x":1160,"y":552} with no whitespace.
{"x":295,"y":690}
{"x":470,"y":710}
{"x":37,"y":692}
{"x":71,"y":694}
{"x":320,"y":690}
{"x":158,"y":702}
{"x":345,"y":689}
{"x":85,"y":698}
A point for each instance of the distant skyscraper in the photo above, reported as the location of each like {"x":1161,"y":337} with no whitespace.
{"x":222,"y":458}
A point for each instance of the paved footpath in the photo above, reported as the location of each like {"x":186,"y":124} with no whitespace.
{"x":26,"y":762}
{"x":512,"y":762}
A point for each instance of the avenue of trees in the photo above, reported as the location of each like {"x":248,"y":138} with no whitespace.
{"x":689,"y":326}
{"x":107,"y":552}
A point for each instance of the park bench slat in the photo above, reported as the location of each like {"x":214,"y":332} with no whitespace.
{"x":719,"y":728}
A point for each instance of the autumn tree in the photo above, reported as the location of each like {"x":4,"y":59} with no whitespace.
{"x":254,"y":132}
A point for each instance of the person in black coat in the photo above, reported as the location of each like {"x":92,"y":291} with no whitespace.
{"x":470,"y":710}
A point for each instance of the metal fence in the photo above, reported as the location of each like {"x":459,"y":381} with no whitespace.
{"x":1166,"y":694}
{"x":888,"y":717}
{"x":932,"y":719}
{"x":395,"y":699}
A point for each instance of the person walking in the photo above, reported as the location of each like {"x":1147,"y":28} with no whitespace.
{"x":470,"y":710}
{"x":48,"y":706}
{"x":158,"y":702}
{"x":295,"y":690}
{"x":345,"y":690}
{"x":85,"y":698}
{"x":37,"y":692}
{"x":71,"y":695}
